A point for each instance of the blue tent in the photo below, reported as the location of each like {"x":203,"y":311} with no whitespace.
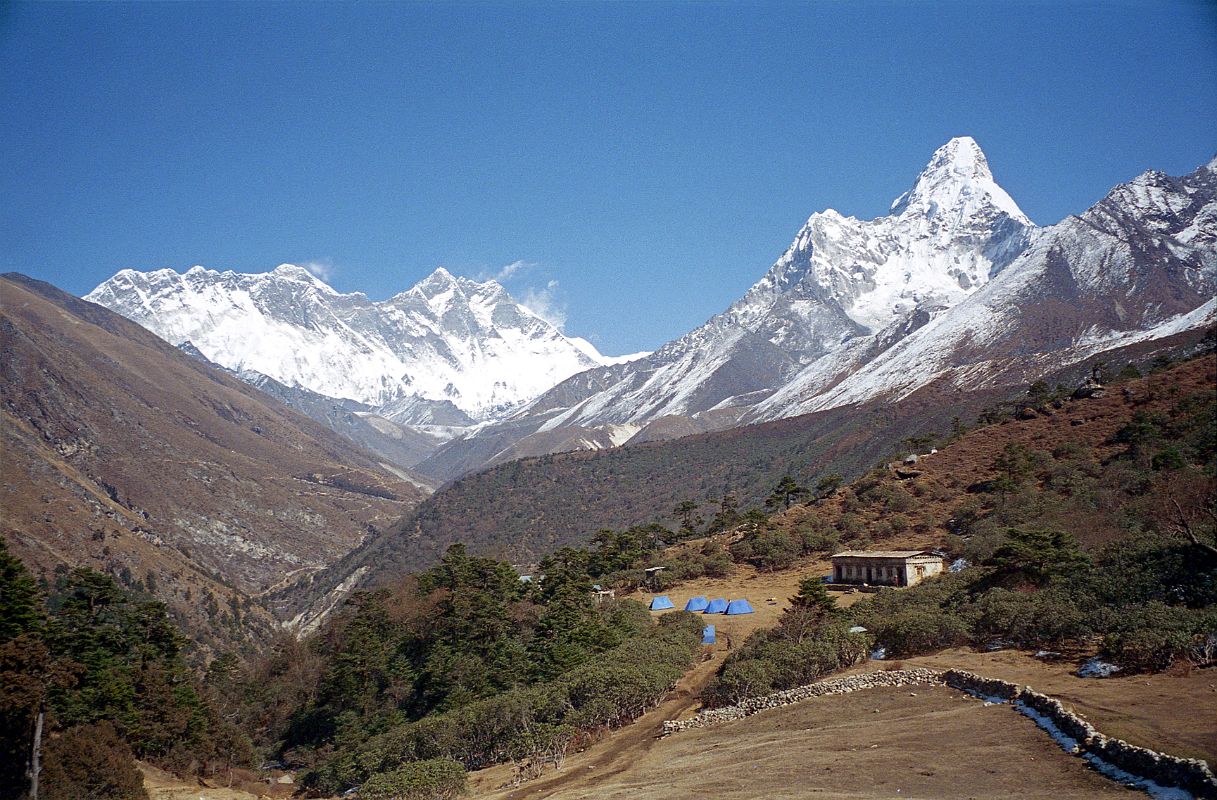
{"x":707,"y":635}
{"x":739,"y":607}
{"x":698,"y":603}
{"x":716,"y":606}
{"x":661,"y":602}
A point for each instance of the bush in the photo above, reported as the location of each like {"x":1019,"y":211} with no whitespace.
{"x":739,"y":681}
{"x":784,"y":658}
{"x":916,"y":631}
{"x":1049,"y":617}
{"x":768,"y":550}
{"x":1153,"y":636}
{"x":434,"y":779}
{"x":90,"y":761}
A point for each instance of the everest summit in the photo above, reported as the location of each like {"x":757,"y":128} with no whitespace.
{"x":448,"y":351}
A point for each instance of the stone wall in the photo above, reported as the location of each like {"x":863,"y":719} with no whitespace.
{"x":852,"y":683}
{"x":1191,"y":774}
{"x":1079,"y":735}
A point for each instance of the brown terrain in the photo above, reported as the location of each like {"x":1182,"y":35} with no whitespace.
{"x":880,"y":743}
{"x":901,"y":743}
{"x":938,"y":483}
{"x":123,"y":454}
{"x":890,"y":743}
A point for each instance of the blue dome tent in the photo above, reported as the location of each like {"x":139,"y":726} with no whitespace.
{"x":698,"y":603}
{"x":707,"y":635}
{"x":716,"y":606}
{"x":661,"y":602}
{"x":739,"y":607}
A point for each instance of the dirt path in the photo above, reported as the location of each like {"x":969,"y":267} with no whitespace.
{"x":163,"y":785}
{"x":615,"y":755}
{"x":612,"y":755}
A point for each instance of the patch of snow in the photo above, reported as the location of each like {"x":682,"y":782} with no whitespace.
{"x":1073,"y":746}
{"x":1097,"y":668}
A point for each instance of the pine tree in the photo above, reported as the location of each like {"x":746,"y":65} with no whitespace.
{"x":785,"y":493}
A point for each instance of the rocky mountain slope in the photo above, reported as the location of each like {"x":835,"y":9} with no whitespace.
{"x":954,"y":284}
{"x":521,"y":510}
{"x":401,"y":446}
{"x":447,"y":352}
{"x":125,"y":454}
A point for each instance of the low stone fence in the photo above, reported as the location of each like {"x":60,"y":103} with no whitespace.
{"x":1191,"y":774}
{"x":1071,"y":730}
{"x":852,"y":683}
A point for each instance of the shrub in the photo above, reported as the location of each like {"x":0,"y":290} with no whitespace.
{"x":768,"y":550}
{"x":90,"y":761}
{"x":916,"y":631}
{"x":738,"y":681}
{"x":1153,"y":636}
{"x":785,"y":657}
{"x":434,"y":779}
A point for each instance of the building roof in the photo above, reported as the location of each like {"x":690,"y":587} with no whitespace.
{"x":883,"y":553}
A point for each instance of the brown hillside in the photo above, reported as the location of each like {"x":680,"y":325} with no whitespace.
{"x":524,"y":509}
{"x":122,"y":453}
{"x":924,"y":496}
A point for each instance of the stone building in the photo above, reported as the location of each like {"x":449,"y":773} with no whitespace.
{"x":885,"y":567}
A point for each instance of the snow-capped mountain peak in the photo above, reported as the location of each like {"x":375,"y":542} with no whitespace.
{"x":957,"y":181}
{"x":955,"y":277}
{"x":945,"y":237}
{"x":448,"y":340}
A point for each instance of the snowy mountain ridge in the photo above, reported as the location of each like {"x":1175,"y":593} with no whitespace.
{"x":954,"y":285}
{"x":840,"y":280}
{"x":449,"y":350}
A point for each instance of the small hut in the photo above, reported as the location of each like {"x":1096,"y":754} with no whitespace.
{"x":886,"y":567}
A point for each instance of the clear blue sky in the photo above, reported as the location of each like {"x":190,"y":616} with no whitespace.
{"x":651,"y":159}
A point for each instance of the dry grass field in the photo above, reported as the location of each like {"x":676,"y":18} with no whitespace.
{"x":886,"y":743}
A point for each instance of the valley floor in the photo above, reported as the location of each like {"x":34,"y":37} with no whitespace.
{"x":882,"y":743}
{"x":886,"y":743}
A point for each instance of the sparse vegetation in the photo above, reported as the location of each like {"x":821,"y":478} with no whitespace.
{"x":1139,"y":580}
